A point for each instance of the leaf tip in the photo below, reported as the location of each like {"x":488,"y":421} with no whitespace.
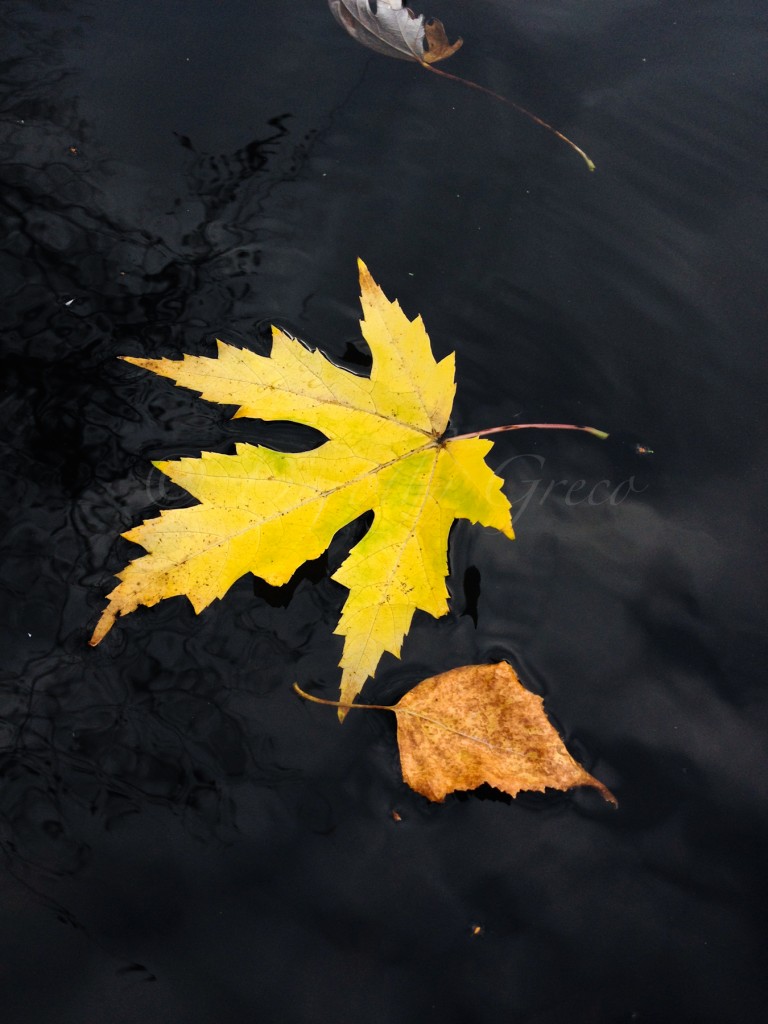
{"x":604,"y":792}
{"x":103,"y":626}
{"x":437,"y":45}
{"x":364,"y":273}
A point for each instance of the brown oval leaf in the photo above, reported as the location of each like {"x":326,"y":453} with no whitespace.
{"x":479,"y":724}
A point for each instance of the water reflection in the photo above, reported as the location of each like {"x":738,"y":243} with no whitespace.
{"x":167,"y":810}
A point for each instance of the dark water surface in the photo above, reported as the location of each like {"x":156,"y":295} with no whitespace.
{"x":185,"y":842}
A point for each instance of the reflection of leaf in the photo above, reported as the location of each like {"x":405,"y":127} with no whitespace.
{"x":267,"y":512}
{"x":394,"y":30}
{"x":478,"y":724}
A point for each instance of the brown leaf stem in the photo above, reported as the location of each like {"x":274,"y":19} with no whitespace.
{"x":340,"y":703}
{"x":531,"y":426}
{"x":387,"y":707}
{"x":510,"y":103}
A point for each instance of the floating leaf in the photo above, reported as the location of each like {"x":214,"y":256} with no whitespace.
{"x":267,"y":512}
{"x":478,"y":724}
{"x":394,"y":30}
{"x":391,"y":28}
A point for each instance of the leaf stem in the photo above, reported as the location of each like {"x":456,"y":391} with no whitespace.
{"x":531,"y":426}
{"x":510,"y":103}
{"x":340,"y":703}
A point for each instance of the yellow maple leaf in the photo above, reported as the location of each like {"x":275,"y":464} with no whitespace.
{"x":266,"y":512}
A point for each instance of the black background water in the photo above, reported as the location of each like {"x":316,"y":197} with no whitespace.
{"x":182,"y":839}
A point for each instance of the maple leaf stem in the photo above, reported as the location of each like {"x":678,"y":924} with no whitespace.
{"x":531,"y":426}
{"x":510,"y":103}
{"x":340,"y":703}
